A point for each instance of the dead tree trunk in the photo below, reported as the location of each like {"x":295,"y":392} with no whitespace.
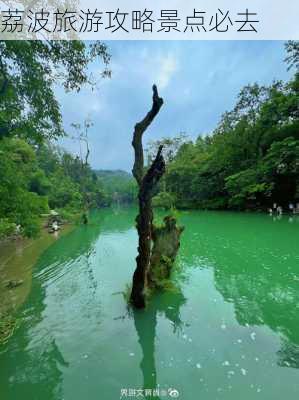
{"x":146,"y":184}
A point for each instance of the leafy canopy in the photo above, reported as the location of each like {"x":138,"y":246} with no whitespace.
{"x":29,"y":71}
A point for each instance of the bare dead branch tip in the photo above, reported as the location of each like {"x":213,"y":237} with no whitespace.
{"x":140,"y":128}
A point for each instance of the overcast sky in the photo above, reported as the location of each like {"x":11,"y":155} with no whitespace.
{"x":199,"y":80}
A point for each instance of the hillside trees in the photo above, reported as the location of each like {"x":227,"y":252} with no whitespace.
{"x":251,"y":159}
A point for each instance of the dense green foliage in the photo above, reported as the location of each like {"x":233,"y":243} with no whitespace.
{"x":28,"y":72}
{"x":35,"y":176}
{"x":251,"y":159}
{"x":37,"y":179}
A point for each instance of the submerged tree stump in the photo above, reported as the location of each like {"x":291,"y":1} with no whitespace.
{"x":144,"y":222}
{"x":166,"y":240}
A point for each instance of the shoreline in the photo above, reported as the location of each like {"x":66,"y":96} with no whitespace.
{"x":17,"y":260}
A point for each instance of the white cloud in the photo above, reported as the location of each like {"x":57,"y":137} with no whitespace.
{"x":155,"y":67}
{"x":168,"y":67}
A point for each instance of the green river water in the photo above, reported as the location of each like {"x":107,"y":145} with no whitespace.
{"x":229,"y":329}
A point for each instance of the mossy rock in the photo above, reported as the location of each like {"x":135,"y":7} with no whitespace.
{"x":166,"y":240}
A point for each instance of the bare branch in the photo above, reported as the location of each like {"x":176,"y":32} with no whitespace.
{"x":153,"y":175}
{"x":140,"y":128}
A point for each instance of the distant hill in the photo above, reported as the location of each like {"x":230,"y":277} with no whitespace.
{"x":108,"y":174}
{"x":118,"y":184}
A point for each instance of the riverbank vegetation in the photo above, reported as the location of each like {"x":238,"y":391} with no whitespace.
{"x":249,"y":161}
{"x":35,"y":180}
{"x":35,"y":175}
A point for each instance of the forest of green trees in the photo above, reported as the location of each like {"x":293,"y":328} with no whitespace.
{"x":35,"y":179}
{"x":37,"y":176}
{"x":248,"y":162}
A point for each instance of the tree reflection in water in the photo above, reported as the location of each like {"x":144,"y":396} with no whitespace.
{"x":167,"y":304}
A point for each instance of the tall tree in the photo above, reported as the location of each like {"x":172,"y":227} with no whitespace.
{"x":29,"y":70}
